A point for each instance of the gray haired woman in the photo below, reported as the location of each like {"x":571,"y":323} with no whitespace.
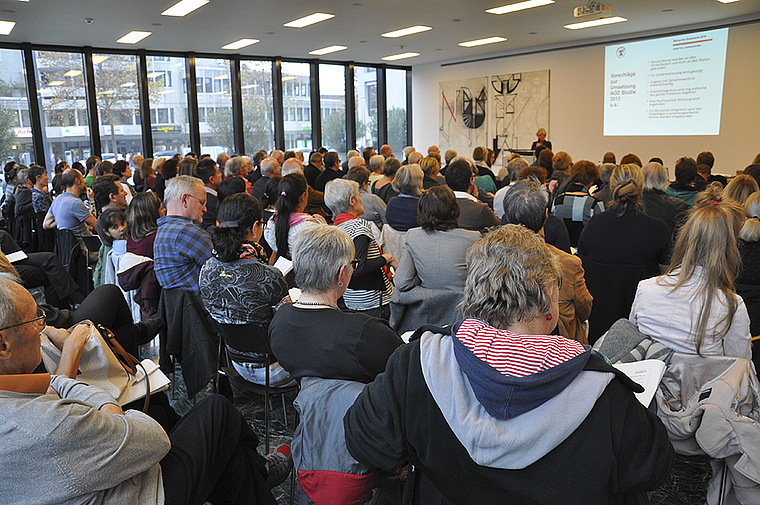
{"x":371,"y":288}
{"x":313,"y":337}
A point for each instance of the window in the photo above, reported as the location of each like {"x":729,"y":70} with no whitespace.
{"x":332,"y":89}
{"x":117,"y":98}
{"x":168,"y":114}
{"x":14,"y":108}
{"x":365,"y":103}
{"x":299,"y":115}
{"x":217,"y":135}
{"x":297,"y":134}
{"x":61,"y":88}
{"x":209,"y":85}
{"x":396,"y":107}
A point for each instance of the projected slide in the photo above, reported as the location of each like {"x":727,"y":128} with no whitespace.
{"x":667,"y":86}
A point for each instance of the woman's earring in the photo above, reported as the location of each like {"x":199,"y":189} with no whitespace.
{"x":549,"y":317}
{"x":340,"y":284}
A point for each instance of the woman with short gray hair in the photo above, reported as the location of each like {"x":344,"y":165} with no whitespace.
{"x":371,"y":288}
{"x":312,"y":337}
{"x":401,"y":212}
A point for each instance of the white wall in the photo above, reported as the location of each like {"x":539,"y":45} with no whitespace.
{"x":576,"y":100}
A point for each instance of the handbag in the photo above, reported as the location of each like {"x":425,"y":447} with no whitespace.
{"x":104,"y":362}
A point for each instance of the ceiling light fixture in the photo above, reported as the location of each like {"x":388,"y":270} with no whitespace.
{"x":108,"y":92}
{"x":55,"y":83}
{"x":72,"y":73}
{"x":529,"y":4}
{"x":133,"y":37}
{"x":153,"y":75}
{"x":400,"y":56}
{"x":721,"y":1}
{"x":128,"y":85}
{"x":99,"y":58}
{"x":6,"y":27}
{"x":406,"y":31}
{"x":220,"y":77}
{"x":481,"y":42}
{"x":232,"y":46}
{"x":309,"y":20}
{"x":598,"y":22}
{"x":184,"y":7}
{"x":327,"y":50}
{"x":289,"y":78}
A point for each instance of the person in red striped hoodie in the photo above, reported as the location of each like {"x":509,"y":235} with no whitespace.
{"x":494,"y":410}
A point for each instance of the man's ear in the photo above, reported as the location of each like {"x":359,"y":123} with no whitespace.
{"x":5,"y":348}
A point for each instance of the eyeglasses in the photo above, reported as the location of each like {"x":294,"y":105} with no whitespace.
{"x":40,"y":320}
{"x":202,"y":202}
{"x":354,"y":263}
{"x":559,"y":283}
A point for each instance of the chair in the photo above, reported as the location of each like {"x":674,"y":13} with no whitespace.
{"x":251,"y":338}
{"x":394,"y":241}
{"x":418,"y":306}
{"x":75,"y":261}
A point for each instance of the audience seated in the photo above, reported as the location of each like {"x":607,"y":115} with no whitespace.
{"x":370,"y":287}
{"x":289,"y":218}
{"x":208,"y":172}
{"x":473,"y":215}
{"x":239,"y":288}
{"x":312,"y":337}
{"x":482,"y":390}
{"x":512,"y":169}
{"x":572,"y":202}
{"x":526,"y":204}
{"x":748,"y":280}
{"x":620,"y":247}
{"x":686,"y":175}
{"x":384,"y":187}
{"x":739,"y":189}
{"x":108,"y":455}
{"x":672,"y":211}
{"x":693,"y":308}
{"x":374,"y":206}
{"x":401,"y":212}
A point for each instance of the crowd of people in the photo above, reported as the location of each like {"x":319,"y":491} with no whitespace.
{"x":510,"y":274}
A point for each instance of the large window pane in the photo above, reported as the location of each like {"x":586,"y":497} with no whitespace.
{"x":61,"y":89}
{"x":16,"y":141}
{"x":395,"y":81}
{"x":168,"y":105}
{"x":118,"y":105}
{"x":332,"y":99}
{"x":296,"y":93}
{"x":258,"y":108}
{"x":365,"y":98}
{"x":217,"y":131}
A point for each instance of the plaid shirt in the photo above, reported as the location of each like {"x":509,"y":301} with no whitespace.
{"x":180,"y":250}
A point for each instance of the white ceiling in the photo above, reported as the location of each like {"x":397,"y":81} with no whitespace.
{"x":357,"y":24}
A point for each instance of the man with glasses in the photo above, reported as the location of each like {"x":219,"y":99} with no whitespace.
{"x":182,"y":246}
{"x":74,"y":444}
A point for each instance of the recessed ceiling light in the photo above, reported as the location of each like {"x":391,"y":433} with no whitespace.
{"x":309,"y":20}
{"x":55,"y":83}
{"x":184,"y":7}
{"x":480,"y":42}
{"x":721,"y":1}
{"x":406,"y":31}
{"x":327,"y":50}
{"x":133,"y":37}
{"x":221,"y":77}
{"x":108,"y":92}
{"x":400,"y":56}
{"x":153,"y":75}
{"x":288,"y":77}
{"x":6,"y":27}
{"x":99,"y":58}
{"x":240,"y":44}
{"x":247,"y":86}
{"x":128,"y":85}
{"x":598,"y":22}
{"x":72,"y":73}
{"x":529,"y":4}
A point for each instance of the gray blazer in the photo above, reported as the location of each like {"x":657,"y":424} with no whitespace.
{"x":435,"y":260}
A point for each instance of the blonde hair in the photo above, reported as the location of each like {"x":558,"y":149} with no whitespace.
{"x":750,"y":231}
{"x":740,"y":188}
{"x":708,"y":239}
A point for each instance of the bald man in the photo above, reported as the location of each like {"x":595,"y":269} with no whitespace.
{"x":387,"y":151}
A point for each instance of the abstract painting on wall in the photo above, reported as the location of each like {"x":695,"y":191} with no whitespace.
{"x":519,"y":107}
{"x":463,"y":111}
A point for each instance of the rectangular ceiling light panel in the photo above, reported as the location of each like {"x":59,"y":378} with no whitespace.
{"x":309,"y":20}
{"x":240,"y":44}
{"x":184,"y":7}
{"x":406,"y":31}
{"x":133,"y":37}
{"x":598,"y":22}
{"x":327,"y":50}
{"x":529,"y":4}
{"x":6,"y":27}
{"x":400,"y":56}
{"x":481,"y":42}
